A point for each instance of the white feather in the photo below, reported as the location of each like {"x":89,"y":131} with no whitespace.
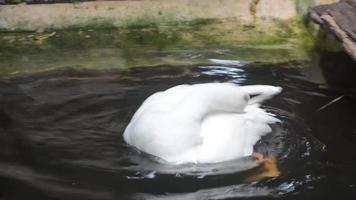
{"x":202,"y":123}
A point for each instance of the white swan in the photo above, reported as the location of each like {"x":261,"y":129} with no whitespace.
{"x":202,"y":123}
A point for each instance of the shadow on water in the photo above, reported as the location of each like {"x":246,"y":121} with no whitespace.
{"x":61,"y":136}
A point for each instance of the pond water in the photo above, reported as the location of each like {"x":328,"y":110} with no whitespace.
{"x":61,"y":133}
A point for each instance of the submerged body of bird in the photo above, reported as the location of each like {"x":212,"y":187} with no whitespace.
{"x":201,"y":123}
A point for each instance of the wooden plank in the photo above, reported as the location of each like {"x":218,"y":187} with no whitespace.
{"x":339,"y":19}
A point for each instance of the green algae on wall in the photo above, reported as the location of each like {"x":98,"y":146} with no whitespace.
{"x":185,"y":43}
{"x":253,"y":8}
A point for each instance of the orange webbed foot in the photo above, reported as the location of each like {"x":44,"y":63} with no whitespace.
{"x":268,"y":168}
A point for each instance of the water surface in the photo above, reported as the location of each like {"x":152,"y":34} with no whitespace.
{"x":61,"y":135}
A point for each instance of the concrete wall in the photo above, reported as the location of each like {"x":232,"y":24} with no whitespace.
{"x":36,"y":17}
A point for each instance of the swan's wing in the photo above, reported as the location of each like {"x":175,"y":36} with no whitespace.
{"x":228,"y":136}
{"x":224,"y":138}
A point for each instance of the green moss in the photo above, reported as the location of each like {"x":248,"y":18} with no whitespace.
{"x":97,"y":23}
{"x":154,"y":44}
{"x":327,"y":42}
{"x":138,"y":24}
{"x":302,"y":6}
{"x":253,"y":7}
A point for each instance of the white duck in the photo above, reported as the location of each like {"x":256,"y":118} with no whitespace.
{"x":202,"y":123}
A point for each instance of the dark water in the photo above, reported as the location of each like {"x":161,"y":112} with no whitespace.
{"x":61,"y":136}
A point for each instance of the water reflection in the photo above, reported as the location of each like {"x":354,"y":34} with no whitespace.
{"x":225,"y":71}
{"x":227,"y":192}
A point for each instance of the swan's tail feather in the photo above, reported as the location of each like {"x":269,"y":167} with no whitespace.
{"x":261,"y":93}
